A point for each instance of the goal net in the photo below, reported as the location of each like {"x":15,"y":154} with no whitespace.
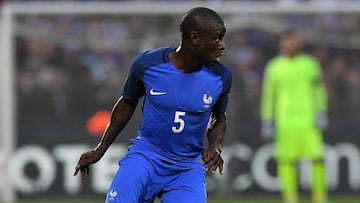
{"x":62,"y":62}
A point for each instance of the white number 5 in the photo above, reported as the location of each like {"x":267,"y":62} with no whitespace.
{"x":179,"y":121}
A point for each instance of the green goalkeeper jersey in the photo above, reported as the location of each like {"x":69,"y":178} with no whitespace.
{"x":293,"y":92}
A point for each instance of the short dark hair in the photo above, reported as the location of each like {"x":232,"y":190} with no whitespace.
{"x":200,"y":19}
{"x":288,"y":33}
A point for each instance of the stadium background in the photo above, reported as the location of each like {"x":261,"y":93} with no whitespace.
{"x":69,"y":69}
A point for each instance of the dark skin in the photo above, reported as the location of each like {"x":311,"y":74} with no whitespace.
{"x":211,"y":156}
{"x":120,"y":116}
{"x":198,"y":50}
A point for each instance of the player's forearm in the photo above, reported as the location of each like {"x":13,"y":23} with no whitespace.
{"x":120,"y":116}
{"x":216,"y":134}
{"x":267,"y":103}
{"x":267,"y":96}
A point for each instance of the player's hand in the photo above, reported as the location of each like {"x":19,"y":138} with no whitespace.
{"x":267,"y":130}
{"x":84,"y":162}
{"x":213,"y":160}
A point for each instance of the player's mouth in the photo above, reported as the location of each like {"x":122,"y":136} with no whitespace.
{"x":219,"y":55}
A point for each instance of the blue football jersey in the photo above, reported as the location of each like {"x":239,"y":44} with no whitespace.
{"x":177,"y":105}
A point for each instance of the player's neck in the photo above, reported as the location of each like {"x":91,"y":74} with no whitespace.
{"x":291,"y":54}
{"x":184,"y":61}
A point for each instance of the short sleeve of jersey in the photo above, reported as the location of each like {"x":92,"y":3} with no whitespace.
{"x":226,"y":77}
{"x":133,"y":88}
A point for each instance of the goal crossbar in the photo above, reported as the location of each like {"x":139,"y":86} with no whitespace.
{"x":138,"y":7}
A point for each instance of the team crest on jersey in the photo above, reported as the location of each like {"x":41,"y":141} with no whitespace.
{"x":207,"y":99}
{"x":112,"y":195}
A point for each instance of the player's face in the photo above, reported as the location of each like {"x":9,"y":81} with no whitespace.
{"x":291,"y":45}
{"x":211,"y":46}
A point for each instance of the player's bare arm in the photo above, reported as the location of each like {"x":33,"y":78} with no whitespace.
{"x":121,"y":114}
{"x":212,"y":155}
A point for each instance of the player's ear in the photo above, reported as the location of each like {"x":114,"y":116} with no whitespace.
{"x":194,"y":38}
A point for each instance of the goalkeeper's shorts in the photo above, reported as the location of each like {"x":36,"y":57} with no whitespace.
{"x":298,"y":143}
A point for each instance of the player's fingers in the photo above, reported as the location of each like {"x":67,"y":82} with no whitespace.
{"x":212,"y":163}
{"x":77,"y":168}
{"x":82,"y":174}
{"x":208,"y":163}
{"x":215,"y":166}
{"x":76,"y":171}
{"x":221,"y":167}
{"x":208,"y":156}
{"x":87,"y":171}
{"x":205,"y":157}
{"x":215,"y":163}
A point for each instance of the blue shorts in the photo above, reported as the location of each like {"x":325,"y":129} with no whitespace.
{"x":142,"y":178}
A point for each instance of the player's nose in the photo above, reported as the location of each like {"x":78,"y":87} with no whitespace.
{"x":222,"y":45}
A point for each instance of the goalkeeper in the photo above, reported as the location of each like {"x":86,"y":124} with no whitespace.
{"x":293,"y":110}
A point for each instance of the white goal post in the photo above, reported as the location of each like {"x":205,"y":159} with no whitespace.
{"x":7,"y":103}
{"x":7,"y":29}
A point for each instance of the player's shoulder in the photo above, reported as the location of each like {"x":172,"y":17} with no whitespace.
{"x":153,"y":56}
{"x":221,"y":70}
{"x":306,"y":56}
{"x":280,"y":58}
{"x":275,"y":62}
{"x":309,"y":61}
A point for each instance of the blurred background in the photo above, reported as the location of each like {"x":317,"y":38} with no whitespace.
{"x":62,"y":65}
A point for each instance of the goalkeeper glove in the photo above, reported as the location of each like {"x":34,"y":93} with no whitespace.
{"x":267,"y":130}
{"x":322,"y":121}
